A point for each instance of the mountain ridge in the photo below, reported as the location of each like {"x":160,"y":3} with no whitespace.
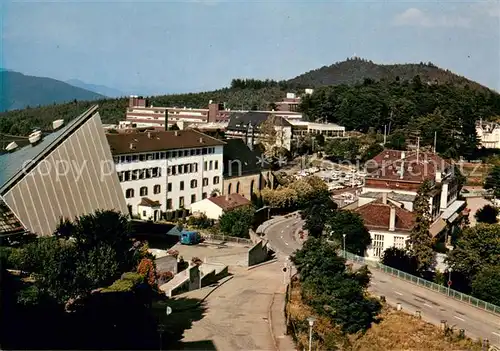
{"x":20,"y":91}
{"x":97,"y":88}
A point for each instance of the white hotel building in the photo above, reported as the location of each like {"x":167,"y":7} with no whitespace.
{"x":167,"y":170}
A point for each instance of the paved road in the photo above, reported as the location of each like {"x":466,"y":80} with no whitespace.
{"x":238,"y":312}
{"x":434,"y":307}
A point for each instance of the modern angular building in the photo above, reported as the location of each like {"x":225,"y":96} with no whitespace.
{"x":66,"y":172}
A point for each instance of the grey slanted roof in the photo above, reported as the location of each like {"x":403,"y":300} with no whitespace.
{"x":15,"y":164}
{"x":254,"y":118}
{"x":237,"y":154}
{"x":391,"y":195}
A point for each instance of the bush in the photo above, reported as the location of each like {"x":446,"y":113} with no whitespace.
{"x":164,"y":277}
{"x":196,"y":260}
{"x":120,"y":285}
{"x":200,"y":221}
{"x":147,"y":269}
{"x":134,"y":277}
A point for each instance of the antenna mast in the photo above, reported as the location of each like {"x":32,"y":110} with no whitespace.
{"x":385,"y":133}
{"x":418,"y":147}
{"x":435,"y":141}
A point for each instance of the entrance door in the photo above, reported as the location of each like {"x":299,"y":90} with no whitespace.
{"x":156,"y":215}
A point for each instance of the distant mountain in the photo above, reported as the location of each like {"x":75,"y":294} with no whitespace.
{"x":20,"y":91}
{"x":356,"y":70}
{"x":99,"y":89}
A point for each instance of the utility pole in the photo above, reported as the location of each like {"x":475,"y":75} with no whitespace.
{"x":435,"y":141}
{"x":385,"y":133}
{"x":418,"y":147}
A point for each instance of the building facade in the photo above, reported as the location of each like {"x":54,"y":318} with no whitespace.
{"x":388,"y":224}
{"x":172,"y":168}
{"x":488,"y":134}
{"x":67,"y":173}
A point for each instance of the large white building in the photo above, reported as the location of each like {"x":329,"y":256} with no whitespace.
{"x":488,"y":134}
{"x":167,"y":170}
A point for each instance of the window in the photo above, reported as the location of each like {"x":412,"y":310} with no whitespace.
{"x":193,"y":151}
{"x":216,"y":180}
{"x":194,"y":183}
{"x":211,"y":165}
{"x":129,"y":193}
{"x":169,"y":187}
{"x":205,"y":166}
{"x":378,"y":245}
{"x":169,"y":204}
{"x":205,"y":181}
{"x":181,"y":186}
{"x":144,"y":213}
{"x":399,"y":242}
{"x":143,"y":191}
{"x":216,"y":165}
{"x":156,"y":189}
{"x":238,"y":187}
{"x":193,"y":198}
{"x":181,"y":201}
{"x":204,"y":195}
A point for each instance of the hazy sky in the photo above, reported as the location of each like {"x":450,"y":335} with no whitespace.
{"x":180,"y":46}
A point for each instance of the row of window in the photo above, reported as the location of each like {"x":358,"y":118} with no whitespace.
{"x":145,"y":173}
{"x":143,"y":191}
{"x":378,"y":244}
{"x":163,"y":155}
{"x":181,"y":201}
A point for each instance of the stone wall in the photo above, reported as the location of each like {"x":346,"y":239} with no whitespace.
{"x":258,"y":254}
{"x":247,"y":185}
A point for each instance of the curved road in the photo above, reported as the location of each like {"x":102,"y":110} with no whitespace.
{"x":434,"y":307}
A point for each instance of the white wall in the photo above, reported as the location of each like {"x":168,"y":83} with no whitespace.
{"x":175,"y":180}
{"x":211,"y":210}
{"x":388,"y":241}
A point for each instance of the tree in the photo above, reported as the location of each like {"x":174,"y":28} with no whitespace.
{"x":420,"y":238}
{"x":487,"y":214}
{"x":476,"y":248}
{"x":281,"y":197}
{"x":332,"y":289}
{"x":350,"y":224}
{"x":320,"y":140}
{"x":397,"y":141}
{"x":319,"y":208}
{"x":237,"y":222}
{"x":493,"y":181}
{"x":486,"y":285}
{"x":400,"y":259}
{"x":372,"y":151}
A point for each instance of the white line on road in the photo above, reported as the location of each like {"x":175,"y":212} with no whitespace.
{"x":495,"y":333}
{"x":461,"y":319}
{"x":426,"y":304}
{"x":397,"y":292}
{"x":282,"y":237}
{"x":286,"y":243}
{"x":283,"y":231}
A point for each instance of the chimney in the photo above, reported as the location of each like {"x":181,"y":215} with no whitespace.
{"x":176,"y":133}
{"x":201,"y":140}
{"x":439,"y":177}
{"x":384,"y":198}
{"x":392,"y":219}
{"x":403,"y":155}
{"x":132,"y":146}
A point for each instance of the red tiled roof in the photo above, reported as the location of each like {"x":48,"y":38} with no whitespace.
{"x":149,"y":203}
{"x":389,"y":163}
{"x":158,"y":141}
{"x":230,"y":202}
{"x":377,"y":215}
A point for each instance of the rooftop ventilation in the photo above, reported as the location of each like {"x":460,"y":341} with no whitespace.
{"x":57,"y":124}
{"x":12,"y":146}
{"x":35,"y":137}
{"x":176,"y":133}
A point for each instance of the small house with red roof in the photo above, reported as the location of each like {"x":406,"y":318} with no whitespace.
{"x":215,"y":206}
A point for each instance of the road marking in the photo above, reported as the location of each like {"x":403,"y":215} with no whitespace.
{"x":426,"y":304}
{"x":282,"y":237}
{"x":461,"y":319}
{"x":397,"y":292}
{"x":283,"y":231}
{"x":495,"y":333}
{"x":286,"y":243}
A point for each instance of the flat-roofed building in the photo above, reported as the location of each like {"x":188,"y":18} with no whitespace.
{"x":166,"y":171}
{"x":62,"y":174}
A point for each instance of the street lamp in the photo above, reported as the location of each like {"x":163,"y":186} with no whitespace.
{"x":311,"y":321}
{"x":343,"y":248}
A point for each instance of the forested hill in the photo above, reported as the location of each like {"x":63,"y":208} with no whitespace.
{"x":356,"y":70}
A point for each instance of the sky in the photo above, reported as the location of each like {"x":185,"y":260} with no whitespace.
{"x":158,"y":47}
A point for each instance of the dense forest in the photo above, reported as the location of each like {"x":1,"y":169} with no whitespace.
{"x":408,"y":107}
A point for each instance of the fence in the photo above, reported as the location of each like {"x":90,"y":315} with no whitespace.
{"x":425,"y":283}
{"x":226,"y":238}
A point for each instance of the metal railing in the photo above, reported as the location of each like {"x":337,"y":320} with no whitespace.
{"x":424,"y":283}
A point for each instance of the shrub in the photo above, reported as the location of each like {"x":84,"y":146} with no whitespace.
{"x":120,"y":285}
{"x":147,"y":270}
{"x":196,"y":260}
{"x":172,"y":252}
{"x":134,"y":277}
{"x":164,"y":277}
